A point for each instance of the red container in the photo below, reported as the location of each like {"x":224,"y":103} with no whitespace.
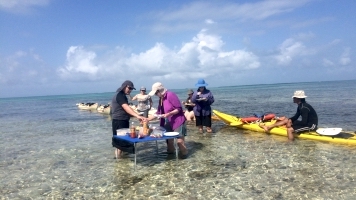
{"x":132,"y":132}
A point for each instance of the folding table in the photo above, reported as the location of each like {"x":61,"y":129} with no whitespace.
{"x":127,"y":138}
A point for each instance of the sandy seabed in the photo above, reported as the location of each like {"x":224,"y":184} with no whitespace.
{"x":228,"y":164}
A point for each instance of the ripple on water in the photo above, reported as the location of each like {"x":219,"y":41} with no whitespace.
{"x":230,"y":164}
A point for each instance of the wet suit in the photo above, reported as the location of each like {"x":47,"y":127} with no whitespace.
{"x":309,"y":118}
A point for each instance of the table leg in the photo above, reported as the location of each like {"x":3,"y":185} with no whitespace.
{"x":176,"y":148}
{"x":135,"y":156}
{"x":156,"y":147}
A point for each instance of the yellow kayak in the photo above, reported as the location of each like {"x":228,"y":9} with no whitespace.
{"x":341,"y":138}
{"x":214,"y":118}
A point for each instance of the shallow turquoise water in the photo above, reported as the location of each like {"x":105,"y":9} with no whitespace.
{"x":50,"y":149}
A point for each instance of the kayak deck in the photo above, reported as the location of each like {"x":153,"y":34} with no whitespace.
{"x":342,"y":138}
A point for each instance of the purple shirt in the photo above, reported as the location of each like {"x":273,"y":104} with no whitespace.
{"x":170,"y":102}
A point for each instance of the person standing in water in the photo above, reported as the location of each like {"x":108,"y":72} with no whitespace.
{"x":189,"y":106}
{"x":144,"y":101}
{"x":203,"y":99}
{"x":172,"y":117}
{"x":121,"y":113}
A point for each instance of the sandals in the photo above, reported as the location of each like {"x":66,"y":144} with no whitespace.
{"x":209,"y":130}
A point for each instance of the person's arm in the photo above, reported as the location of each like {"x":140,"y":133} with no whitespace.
{"x":122,"y":100}
{"x":305,"y":114}
{"x":175,"y":106}
{"x":191,"y":104}
{"x":133,"y":98}
{"x":211,"y":98}
{"x":151,"y":117}
{"x":131,"y":112}
{"x":186,"y":101}
{"x":151,"y":103}
{"x":194,"y":97}
{"x":295,"y":117}
{"x":171,"y":113}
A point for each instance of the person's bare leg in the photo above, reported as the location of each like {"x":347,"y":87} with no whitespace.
{"x":289,"y":123}
{"x":181,"y":145}
{"x":118,"y":153}
{"x":278,"y":123}
{"x":170,"y":146}
{"x":187,"y":116}
{"x":191,"y":115}
{"x":200,"y":129}
{"x":290,"y":134}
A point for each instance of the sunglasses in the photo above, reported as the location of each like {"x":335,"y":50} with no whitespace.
{"x":143,"y":90}
{"x":130,"y":88}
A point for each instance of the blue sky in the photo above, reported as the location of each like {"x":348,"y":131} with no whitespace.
{"x":50,"y":47}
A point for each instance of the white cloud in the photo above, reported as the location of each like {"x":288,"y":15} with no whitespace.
{"x":292,"y":48}
{"x":312,"y":22}
{"x":345,"y":57}
{"x":22,"y":3}
{"x":246,"y":11}
{"x":335,"y":42}
{"x":305,"y":36}
{"x":327,"y":63}
{"x":23,"y":67}
{"x":20,"y":6}
{"x":189,"y":15}
{"x":80,"y":63}
{"x":203,"y":56}
{"x":209,"y":21}
{"x":288,"y":50}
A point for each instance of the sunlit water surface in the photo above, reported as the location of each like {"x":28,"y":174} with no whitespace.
{"x":52,"y":150}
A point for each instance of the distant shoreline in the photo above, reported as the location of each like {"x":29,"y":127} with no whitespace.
{"x":179,"y":89}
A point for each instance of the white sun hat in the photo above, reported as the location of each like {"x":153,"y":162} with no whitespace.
{"x":299,"y":94}
{"x":157,"y":87}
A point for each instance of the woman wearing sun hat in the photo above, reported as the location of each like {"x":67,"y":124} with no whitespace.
{"x":202,"y":98}
{"x":172,"y":116}
{"x":309,"y":120}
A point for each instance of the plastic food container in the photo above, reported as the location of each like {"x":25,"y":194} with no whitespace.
{"x":158,"y":131}
{"x":122,"y":131}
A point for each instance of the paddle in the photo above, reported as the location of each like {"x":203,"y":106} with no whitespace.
{"x":328,"y":131}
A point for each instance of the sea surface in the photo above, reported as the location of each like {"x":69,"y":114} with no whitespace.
{"x":49,"y":149}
